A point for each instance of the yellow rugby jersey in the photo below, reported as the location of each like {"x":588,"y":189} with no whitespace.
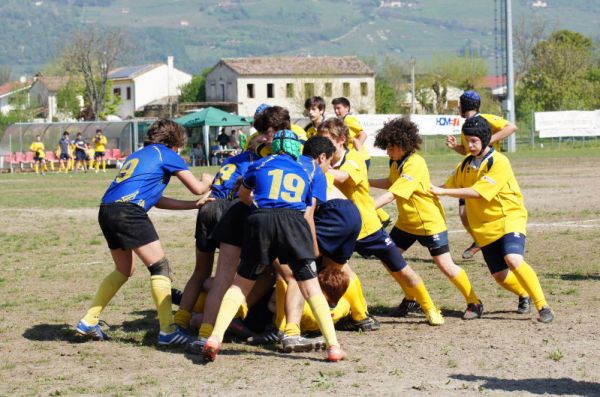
{"x":311,"y":131}
{"x":299,"y":131}
{"x":356,"y":188}
{"x":419,"y":211}
{"x":38,"y":149}
{"x":354,"y":127}
{"x":500,"y":209}
{"x":100,"y":146}
{"x":309,"y":323}
{"x":496,"y":123}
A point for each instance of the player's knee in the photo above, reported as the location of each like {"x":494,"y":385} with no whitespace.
{"x":160,"y":268}
{"x":513,"y":260}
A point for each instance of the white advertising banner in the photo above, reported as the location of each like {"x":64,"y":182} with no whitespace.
{"x":567,"y":123}
{"x":428,"y":125}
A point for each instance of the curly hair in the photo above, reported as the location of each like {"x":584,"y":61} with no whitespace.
{"x":399,"y":132}
{"x":275,"y":117}
{"x":334,"y":282}
{"x":167,"y":132}
{"x":334,"y":127}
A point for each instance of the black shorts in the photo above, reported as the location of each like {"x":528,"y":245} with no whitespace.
{"x":437,"y":244}
{"x":282,"y":233}
{"x":208,"y":217}
{"x":230,"y":228}
{"x":126,"y":225}
{"x":338,"y":225}
{"x":494,"y":253}
{"x":38,"y":159}
{"x":381,"y":246}
{"x":98,"y":154}
{"x":80,"y":155}
{"x":64,"y":156}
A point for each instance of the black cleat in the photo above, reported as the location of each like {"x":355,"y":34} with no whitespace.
{"x":546,"y":315}
{"x":524,"y":305}
{"x":405,"y":307}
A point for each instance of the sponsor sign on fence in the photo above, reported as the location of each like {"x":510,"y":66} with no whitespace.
{"x":428,"y":125}
{"x":568,"y":124}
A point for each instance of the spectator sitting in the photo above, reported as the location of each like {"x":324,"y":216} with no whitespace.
{"x":198,"y":157}
{"x":223,"y":139}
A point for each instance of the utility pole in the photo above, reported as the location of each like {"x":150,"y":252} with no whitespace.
{"x":510,"y":75}
{"x":412,"y":86}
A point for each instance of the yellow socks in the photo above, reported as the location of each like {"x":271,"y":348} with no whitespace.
{"x":36,"y":168}
{"x":280,"y":289}
{"x":529,"y":280}
{"x":461,"y":281}
{"x":108,"y":288}
{"x":230,"y":304}
{"x":511,"y":283}
{"x":292,"y":329}
{"x":421,"y":295}
{"x":354,"y":296}
{"x":320,"y":308}
{"x":160,"y":286}
{"x":104,"y":165}
{"x":205,"y":330}
{"x":182,"y":318}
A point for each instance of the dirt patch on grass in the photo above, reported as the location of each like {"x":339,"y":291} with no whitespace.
{"x":53,"y":260}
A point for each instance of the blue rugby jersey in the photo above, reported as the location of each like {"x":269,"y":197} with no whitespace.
{"x":279,"y":181}
{"x":232,"y":169}
{"x":144,"y":176}
{"x":317,"y":177}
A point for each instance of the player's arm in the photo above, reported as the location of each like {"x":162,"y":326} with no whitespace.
{"x":506,"y":131}
{"x":245,"y":195}
{"x":194,"y":185}
{"x":309,"y":216}
{"x":167,"y":203}
{"x":453,"y":144}
{"x":384,"y":199}
{"x":382,"y":183}
{"x":463,"y":192}
{"x":339,"y":176}
{"x":360,"y":139}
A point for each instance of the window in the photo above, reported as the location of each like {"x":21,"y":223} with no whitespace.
{"x":270,"y":91}
{"x":128,"y":93}
{"x":346,"y":89}
{"x":222,"y":86}
{"x":328,"y":89}
{"x":117,"y":92}
{"x":250,"y":90}
{"x":309,"y":90}
{"x":289,"y":90}
{"x":364,"y":89}
{"x":213,"y":91}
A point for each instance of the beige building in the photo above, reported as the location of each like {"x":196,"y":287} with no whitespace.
{"x":288,"y":81}
{"x":43,"y":93}
{"x":138,"y":86}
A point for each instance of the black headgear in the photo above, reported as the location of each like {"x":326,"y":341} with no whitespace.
{"x":479,"y":127}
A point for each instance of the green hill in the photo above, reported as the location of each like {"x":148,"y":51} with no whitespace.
{"x":198,"y":33}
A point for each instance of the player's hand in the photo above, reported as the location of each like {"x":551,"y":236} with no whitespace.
{"x":207,"y":178}
{"x":205,"y":198}
{"x":438,"y":191}
{"x":451,"y":142}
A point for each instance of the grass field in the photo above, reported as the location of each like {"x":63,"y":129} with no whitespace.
{"x":54,"y":256}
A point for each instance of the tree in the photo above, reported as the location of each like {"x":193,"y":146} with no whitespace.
{"x":5,"y":74}
{"x":528,"y":33}
{"x":561,"y":76}
{"x":67,"y":99}
{"x":92,"y":54}
{"x":195,"y":90}
{"x":465,"y":72}
{"x":386,"y":100}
